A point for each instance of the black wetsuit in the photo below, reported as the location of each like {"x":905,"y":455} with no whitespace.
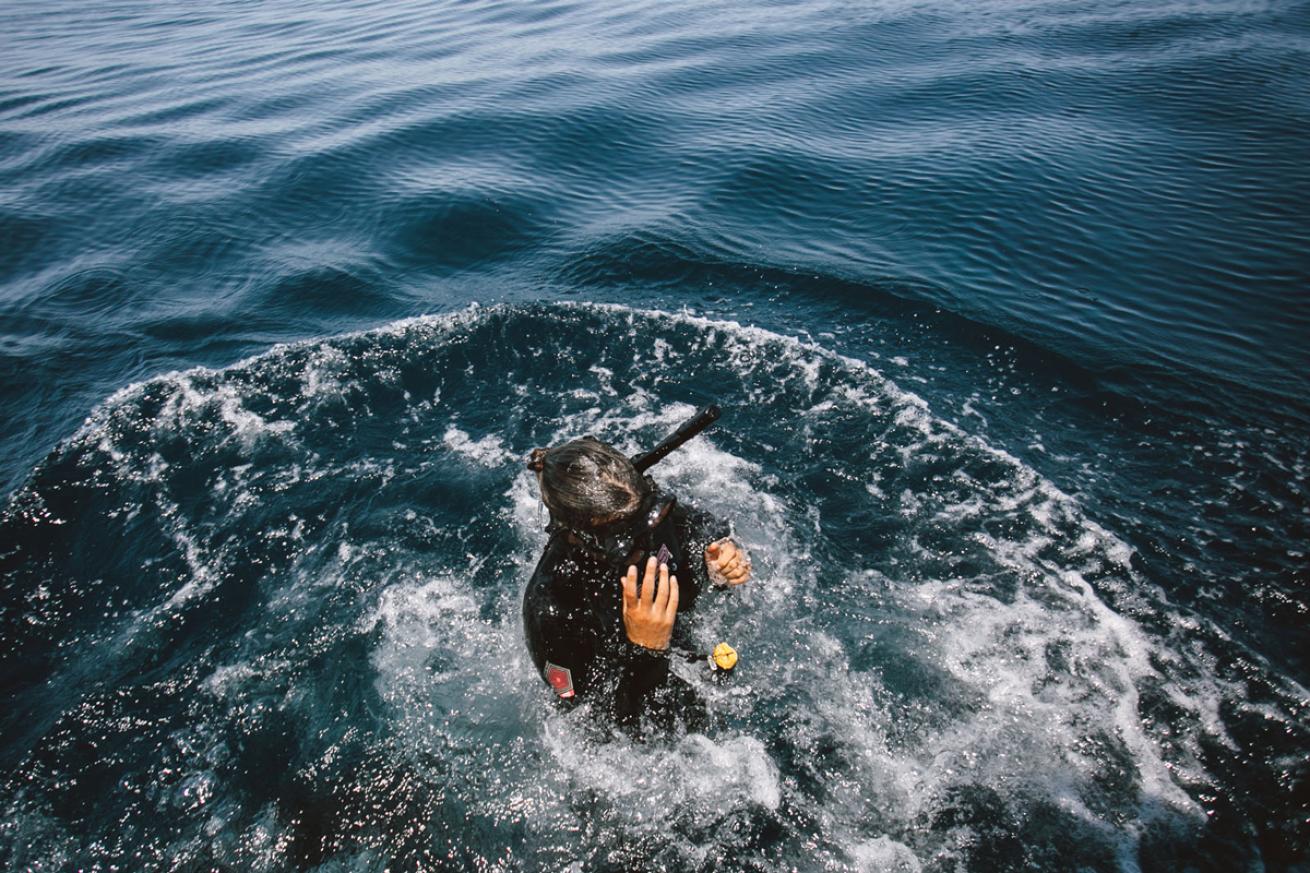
{"x":573,"y":620}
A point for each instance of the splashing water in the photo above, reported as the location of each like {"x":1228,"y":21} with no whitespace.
{"x":268,"y":616}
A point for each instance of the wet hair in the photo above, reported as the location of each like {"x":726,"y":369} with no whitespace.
{"x":586,"y":483}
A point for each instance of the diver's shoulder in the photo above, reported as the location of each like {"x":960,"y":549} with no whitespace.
{"x":557,"y":563}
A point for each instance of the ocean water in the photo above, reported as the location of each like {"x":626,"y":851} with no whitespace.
{"x":1005,"y":304}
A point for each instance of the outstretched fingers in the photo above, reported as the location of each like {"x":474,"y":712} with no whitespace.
{"x":649,"y":610}
{"x":662,"y":593}
{"x":647,"y":594}
{"x":630,"y":588}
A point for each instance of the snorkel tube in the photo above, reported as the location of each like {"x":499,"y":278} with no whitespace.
{"x":688,"y":429}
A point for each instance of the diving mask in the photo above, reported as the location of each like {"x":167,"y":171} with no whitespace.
{"x":623,"y":541}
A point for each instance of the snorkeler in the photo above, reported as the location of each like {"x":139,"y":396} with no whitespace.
{"x":624,"y":558}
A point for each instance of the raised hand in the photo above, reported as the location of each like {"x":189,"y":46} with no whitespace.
{"x":727,"y":563}
{"x":648,"y":612}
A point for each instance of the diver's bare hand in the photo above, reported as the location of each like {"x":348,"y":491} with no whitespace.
{"x":648,"y":612}
{"x":727,"y":563}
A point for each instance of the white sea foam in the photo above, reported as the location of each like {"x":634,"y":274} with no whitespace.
{"x":883,"y":855}
{"x":1041,"y":679}
{"x":189,"y":403}
{"x":489,"y":451}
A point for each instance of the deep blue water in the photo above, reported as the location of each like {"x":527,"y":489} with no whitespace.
{"x":1006,"y":305}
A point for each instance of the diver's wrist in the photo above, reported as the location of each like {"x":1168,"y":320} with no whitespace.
{"x":643,"y":651}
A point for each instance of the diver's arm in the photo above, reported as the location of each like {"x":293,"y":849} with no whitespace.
{"x":642,"y":673}
{"x":696,"y":529}
{"x":563,"y":659}
{"x":561,"y":643}
{"x":580,"y":662}
{"x":724,"y":563}
{"x":649,"y":611}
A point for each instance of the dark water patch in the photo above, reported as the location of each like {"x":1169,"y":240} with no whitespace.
{"x":88,"y":294}
{"x":10,"y":102}
{"x":183,"y":111}
{"x":324,"y":291}
{"x":831,"y":300}
{"x":51,"y":104}
{"x":451,"y":231}
{"x":198,"y":327}
{"x":86,"y":155}
{"x":196,"y":162}
{"x":24,"y":234}
{"x":200,"y":245}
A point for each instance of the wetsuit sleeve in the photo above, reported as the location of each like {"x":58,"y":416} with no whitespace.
{"x":562,"y":650}
{"x":580,"y":660}
{"x":628,"y":680}
{"x":582,"y":653}
{"x":641,"y":673}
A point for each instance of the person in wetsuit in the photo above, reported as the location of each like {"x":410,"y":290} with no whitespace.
{"x":595,"y":630}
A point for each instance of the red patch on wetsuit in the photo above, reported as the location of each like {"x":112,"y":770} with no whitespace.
{"x":560,"y":679}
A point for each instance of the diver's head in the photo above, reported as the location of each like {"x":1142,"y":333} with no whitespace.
{"x":586,"y":483}
{"x":594,"y":491}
